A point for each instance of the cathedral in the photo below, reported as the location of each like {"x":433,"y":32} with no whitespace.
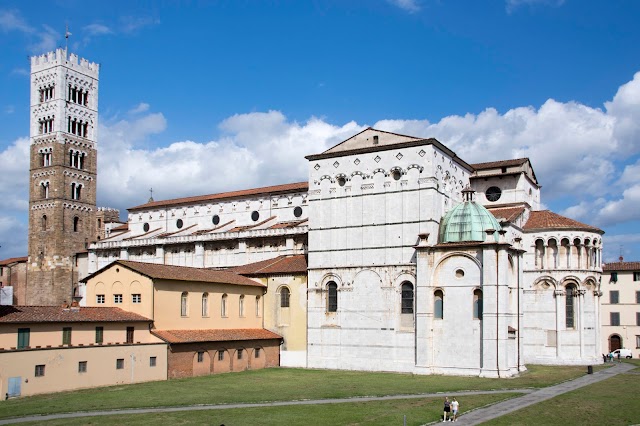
{"x":394,"y":255}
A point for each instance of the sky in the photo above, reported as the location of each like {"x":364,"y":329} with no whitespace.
{"x":200,"y":97}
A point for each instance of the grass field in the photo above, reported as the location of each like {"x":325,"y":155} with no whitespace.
{"x":610,"y":402}
{"x":275,"y":384}
{"x":418,"y":412}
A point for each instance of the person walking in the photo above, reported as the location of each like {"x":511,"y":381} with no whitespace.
{"x":454,"y":409}
{"x":447,"y":409}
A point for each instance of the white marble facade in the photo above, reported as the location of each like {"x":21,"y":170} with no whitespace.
{"x":384,"y":294}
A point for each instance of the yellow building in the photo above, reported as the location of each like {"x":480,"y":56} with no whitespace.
{"x":50,"y":349}
{"x":212,"y":320}
{"x":621,"y":307}
{"x":285,"y":302}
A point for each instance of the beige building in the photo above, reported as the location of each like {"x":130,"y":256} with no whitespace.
{"x":212,"y":320}
{"x":285,"y":303}
{"x":13,"y":281}
{"x":50,"y":349}
{"x":621,"y":306}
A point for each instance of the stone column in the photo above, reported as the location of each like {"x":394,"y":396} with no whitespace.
{"x":124,"y":253}
{"x":198,"y":262}
{"x":559,"y":299}
{"x":160,"y":254}
{"x":424,"y":305}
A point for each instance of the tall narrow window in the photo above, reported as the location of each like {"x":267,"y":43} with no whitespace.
{"x":477,"y":304}
{"x":241,"y":305}
{"x":99,"y":334}
{"x":183,"y":304}
{"x":44,"y":222}
{"x":570,"y":306}
{"x":223,"y":306}
{"x":636,"y":276}
{"x":205,"y":304}
{"x":76,"y":223}
{"x":130,"y":331}
{"x":407,"y":298}
{"x":66,"y":336}
{"x":284,"y":297}
{"x":257,"y":306}
{"x":23,"y":337}
{"x":438,"y":304}
{"x":332,"y":297}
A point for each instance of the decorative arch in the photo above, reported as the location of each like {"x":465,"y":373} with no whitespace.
{"x":456,"y":254}
{"x":544,"y":282}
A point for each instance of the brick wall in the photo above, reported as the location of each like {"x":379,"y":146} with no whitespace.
{"x":182,"y":359}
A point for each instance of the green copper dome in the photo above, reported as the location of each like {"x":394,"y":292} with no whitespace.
{"x":467,"y":222}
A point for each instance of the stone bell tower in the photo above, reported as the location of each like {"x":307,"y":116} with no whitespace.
{"x":63,"y":172}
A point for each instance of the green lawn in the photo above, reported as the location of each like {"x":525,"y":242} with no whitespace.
{"x":274,"y":384}
{"x":418,"y":412}
{"x":610,"y":402}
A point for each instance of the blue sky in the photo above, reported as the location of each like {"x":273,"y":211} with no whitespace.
{"x":200,"y":97}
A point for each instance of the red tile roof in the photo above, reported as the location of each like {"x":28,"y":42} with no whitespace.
{"x":124,"y":227}
{"x":507,"y":213}
{"x":30,"y":314}
{"x":215,"y":335}
{"x":621,"y":266}
{"x":278,"y":265}
{"x":545,"y":219}
{"x":247,"y":227}
{"x":291,"y":224}
{"x":501,"y":163}
{"x":181,"y":273}
{"x":11,"y":260}
{"x":267,"y":190}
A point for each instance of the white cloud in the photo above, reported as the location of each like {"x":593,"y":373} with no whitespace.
{"x":43,"y":40}
{"x":514,"y":4}
{"x":97,"y":29}
{"x":140,"y":108}
{"x":21,"y":71}
{"x":131,"y":24}
{"x":12,"y":21}
{"x":410,"y":6}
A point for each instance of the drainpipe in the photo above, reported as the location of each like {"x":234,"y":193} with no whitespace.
{"x":518,"y":240}
{"x":497,"y":310}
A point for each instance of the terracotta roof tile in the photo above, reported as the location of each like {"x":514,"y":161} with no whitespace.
{"x":291,"y":224}
{"x":545,"y":219}
{"x":27,"y":314}
{"x":11,"y":260}
{"x":215,"y":335}
{"x":247,"y":227}
{"x":621,"y":266}
{"x":278,"y":265}
{"x":507,"y":213}
{"x":206,"y":231}
{"x":290,"y":187}
{"x":181,"y":273}
{"x":124,"y":227}
{"x":501,"y":163}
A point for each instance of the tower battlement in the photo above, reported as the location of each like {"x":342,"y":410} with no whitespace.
{"x":60,"y":57}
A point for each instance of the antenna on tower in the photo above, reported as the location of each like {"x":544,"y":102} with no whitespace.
{"x":66,"y":39}
{"x":151,"y":197}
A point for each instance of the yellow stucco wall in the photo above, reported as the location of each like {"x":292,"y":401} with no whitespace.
{"x":119,"y":280}
{"x":291,"y":322}
{"x":61,"y":367}
{"x":50,"y":334}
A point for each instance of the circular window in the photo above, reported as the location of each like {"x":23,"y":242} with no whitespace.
{"x":342,"y":181}
{"x":459,"y":273}
{"x":297,"y":212}
{"x":215,"y":219}
{"x":255,"y":216}
{"x":396,"y":175}
{"x":145,"y":227}
{"x":493,"y":193}
{"x":179,"y":223}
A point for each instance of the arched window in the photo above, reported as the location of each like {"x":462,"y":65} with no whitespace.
{"x":241,"y":305}
{"x":477,"y":304}
{"x":540,"y":253}
{"x":76,"y":223}
{"x":223,"y":306}
{"x":205,"y":304}
{"x":257,"y":306}
{"x":183,"y":304}
{"x":284,"y":297}
{"x":438,"y":304}
{"x":332,"y":297}
{"x":44,"y":189}
{"x":407,"y":298}
{"x":570,"y":305}
{"x":44,"y":222}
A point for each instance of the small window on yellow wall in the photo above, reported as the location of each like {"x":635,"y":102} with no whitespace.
{"x":257,"y":306}
{"x":183,"y":304}
{"x":223,"y":306}
{"x":241,"y":307}
{"x":205,"y":304}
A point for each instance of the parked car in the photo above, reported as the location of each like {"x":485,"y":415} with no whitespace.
{"x":624,"y":353}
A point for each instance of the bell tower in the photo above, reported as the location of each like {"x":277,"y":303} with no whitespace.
{"x":63,"y":172}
